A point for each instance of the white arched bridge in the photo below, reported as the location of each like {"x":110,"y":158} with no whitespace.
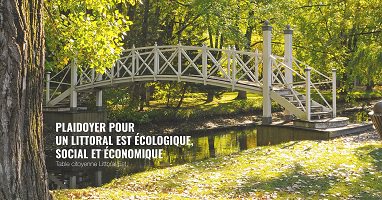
{"x":286,"y":80}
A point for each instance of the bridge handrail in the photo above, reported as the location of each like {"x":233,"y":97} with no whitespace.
{"x":190,"y":48}
{"x":293,"y":84}
{"x":285,"y":84}
{"x":313,"y":84}
{"x":60,"y":82}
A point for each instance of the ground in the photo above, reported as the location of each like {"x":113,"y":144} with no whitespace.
{"x":348,"y":167}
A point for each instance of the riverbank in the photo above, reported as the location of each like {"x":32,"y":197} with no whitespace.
{"x":347,"y":167}
{"x":226,"y":112}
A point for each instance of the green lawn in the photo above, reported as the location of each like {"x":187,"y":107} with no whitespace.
{"x":193,"y":107}
{"x":317,"y":169}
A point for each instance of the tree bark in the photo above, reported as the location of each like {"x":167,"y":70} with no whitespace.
{"x":22,"y":160}
{"x":210,"y":96}
{"x":184,"y":89}
{"x":241,"y":95}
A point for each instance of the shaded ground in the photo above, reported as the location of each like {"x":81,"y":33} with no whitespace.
{"x":345,"y":168}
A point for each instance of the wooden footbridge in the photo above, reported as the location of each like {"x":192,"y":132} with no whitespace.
{"x":284,"y":79}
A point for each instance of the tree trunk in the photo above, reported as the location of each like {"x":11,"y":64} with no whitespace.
{"x":241,"y":95}
{"x":22,"y":160}
{"x":184,"y":89}
{"x":210,"y":96}
{"x":370,"y":86}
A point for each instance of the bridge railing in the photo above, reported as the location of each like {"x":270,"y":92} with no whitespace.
{"x":201,"y":64}
{"x":57,"y":83}
{"x":175,"y":62}
{"x":179,"y":61}
{"x":305,"y":77}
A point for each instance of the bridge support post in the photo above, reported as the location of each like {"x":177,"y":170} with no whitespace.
{"x":307,"y":100}
{"x":288,"y":57}
{"x":99,"y":94}
{"x":204,"y":64}
{"x":288,"y":60}
{"x":256,"y":65}
{"x":99,"y":100}
{"x":334,"y":87}
{"x":73,"y":83}
{"x":156,"y":61}
{"x":47,"y":89}
{"x":267,"y":73}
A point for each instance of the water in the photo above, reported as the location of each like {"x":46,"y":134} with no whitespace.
{"x":206,"y":145}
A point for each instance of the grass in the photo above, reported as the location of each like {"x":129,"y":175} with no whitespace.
{"x":307,"y":169}
{"x":194,"y":107}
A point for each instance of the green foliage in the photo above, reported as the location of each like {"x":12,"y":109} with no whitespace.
{"x":339,"y":34}
{"x":170,"y":92}
{"x":88,"y":32}
{"x":342,"y":34}
{"x":366,"y":63}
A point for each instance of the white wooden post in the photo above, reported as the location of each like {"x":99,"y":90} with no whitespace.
{"x":267,"y":73}
{"x":204,"y":63}
{"x":72,"y":182}
{"x":334,"y":71}
{"x":257,"y":65}
{"x":99,"y":94}
{"x":234,"y":63}
{"x":73,"y":83}
{"x":118,"y":65}
{"x":288,"y":57}
{"x":308,"y":99}
{"x":47,"y":88}
{"x":229,"y":62}
{"x":288,"y":60}
{"x":94,"y":78}
{"x":179,"y":61}
{"x":133,"y":62}
{"x":98,"y":177}
{"x":112,"y":71}
{"x":156,"y":61}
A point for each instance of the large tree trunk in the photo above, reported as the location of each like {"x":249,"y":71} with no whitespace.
{"x":22,"y":160}
{"x":241,"y":95}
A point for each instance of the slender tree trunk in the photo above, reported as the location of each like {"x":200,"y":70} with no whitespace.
{"x":370,"y":86}
{"x":242,"y":95}
{"x":22,"y":160}
{"x":184,"y":89}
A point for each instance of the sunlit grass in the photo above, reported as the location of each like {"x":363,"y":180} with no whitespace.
{"x":194,"y":107}
{"x":198,"y":100}
{"x":316,"y":169}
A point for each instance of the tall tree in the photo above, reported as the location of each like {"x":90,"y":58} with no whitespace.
{"x":22,"y":159}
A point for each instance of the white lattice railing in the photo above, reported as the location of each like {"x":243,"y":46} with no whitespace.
{"x":303,"y":80}
{"x":207,"y":65}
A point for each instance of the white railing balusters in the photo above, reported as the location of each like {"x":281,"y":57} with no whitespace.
{"x":204,"y":64}
{"x":234,"y":63}
{"x":334,"y":92}
{"x":133,"y":63}
{"x":307,"y":93}
{"x":229,"y":62}
{"x":256,"y":65}
{"x":47,"y":87}
{"x":233,"y":68}
{"x":179,"y":61}
{"x":73,"y":84}
{"x":156,"y":61}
